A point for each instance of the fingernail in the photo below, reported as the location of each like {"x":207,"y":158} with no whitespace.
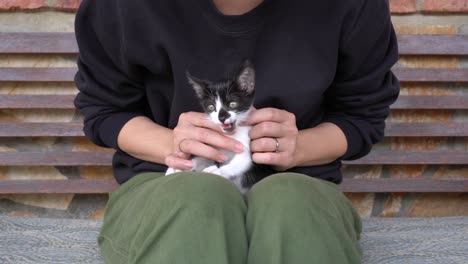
{"x":239,"y":147}
{"x":188,"y":164}
{"x":222,"y":158}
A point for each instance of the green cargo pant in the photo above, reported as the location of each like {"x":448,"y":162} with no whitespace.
{"x":201,"y":218}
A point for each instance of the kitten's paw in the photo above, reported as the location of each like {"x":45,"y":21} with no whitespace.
{"x":210,"y":169}
{"x":172,"y":171}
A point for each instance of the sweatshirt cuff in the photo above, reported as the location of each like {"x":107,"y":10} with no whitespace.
{"x":110,"y":128}
{"x":352,"y":134}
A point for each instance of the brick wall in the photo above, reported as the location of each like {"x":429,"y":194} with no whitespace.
{"x":397,"y":6}
{"x":60,"y":5}
{"x":428,"y":6}
{"x":409,"y":17}
{"x":428,"y":17}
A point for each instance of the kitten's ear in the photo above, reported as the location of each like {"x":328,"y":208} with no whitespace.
{"x":246,"y":77}
{"x":198,"y":85}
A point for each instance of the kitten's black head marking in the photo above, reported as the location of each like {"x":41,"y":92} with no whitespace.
{"x":243,"y":80}
{"x":235,"y":94}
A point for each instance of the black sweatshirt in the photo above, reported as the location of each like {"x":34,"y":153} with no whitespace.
{"x":324,"y":61}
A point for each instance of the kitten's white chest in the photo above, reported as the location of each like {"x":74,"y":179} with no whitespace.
{"x":242,"y":135}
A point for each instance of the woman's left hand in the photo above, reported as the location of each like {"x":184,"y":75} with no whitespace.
{"x":269,"y":127}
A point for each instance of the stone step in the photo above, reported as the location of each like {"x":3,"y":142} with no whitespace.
{"x":384,"y":240}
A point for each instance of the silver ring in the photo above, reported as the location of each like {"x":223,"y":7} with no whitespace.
{"x":277,"y":145}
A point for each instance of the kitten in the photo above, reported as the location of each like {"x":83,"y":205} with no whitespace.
{"x":228,"y":103}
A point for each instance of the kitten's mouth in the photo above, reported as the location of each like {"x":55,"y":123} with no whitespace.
{"x":228,"y":127}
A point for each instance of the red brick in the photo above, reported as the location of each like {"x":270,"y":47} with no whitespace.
{"x":70,"y":5}
{"x":21,"y":4}
{"x":67,"y":5}
{"x":450,"y":6}
{"x":402,"y":6}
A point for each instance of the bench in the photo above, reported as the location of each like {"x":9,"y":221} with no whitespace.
{"x":389,"y":240}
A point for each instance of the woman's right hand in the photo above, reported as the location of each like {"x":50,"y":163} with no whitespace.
{"x":196,"y":135}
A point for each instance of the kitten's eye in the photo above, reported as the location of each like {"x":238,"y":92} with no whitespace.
{"x":233,"y":105}
{"x":211,"y":108}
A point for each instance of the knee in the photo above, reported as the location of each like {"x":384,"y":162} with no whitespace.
{"x":291,"y":190}
{"x":287,"y":183}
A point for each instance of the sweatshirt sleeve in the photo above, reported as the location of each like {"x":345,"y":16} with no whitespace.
{"x":364,"y":87}
{"x":110,"y":88}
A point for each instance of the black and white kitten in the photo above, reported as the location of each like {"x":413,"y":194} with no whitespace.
{"x":228,"y":103}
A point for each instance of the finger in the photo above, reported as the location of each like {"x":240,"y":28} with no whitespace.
{"x":268,"y":158}
{"x":263,"y":145}
{"x":268,"y":129}
{"x":202,"y":150}
{"x":178,"y":162}
{"x":198,"y":120}
{"x":218,"y":140}
{"x":268,"y":114}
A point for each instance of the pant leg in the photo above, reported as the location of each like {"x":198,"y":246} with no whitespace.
{"x":182,"y":218}
{"x":296,"y":219}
